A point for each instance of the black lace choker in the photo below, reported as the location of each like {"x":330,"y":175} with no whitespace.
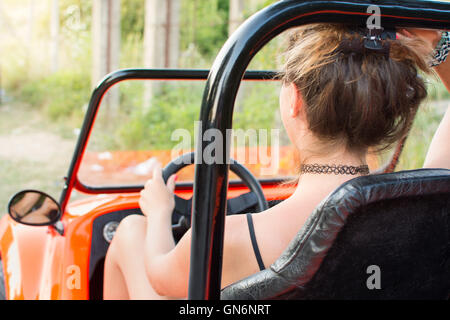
{"x":336,"y":169}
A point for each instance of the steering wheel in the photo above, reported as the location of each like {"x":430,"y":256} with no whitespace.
{"x":235,"y":205}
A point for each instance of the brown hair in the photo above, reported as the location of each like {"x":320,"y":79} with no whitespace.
{"x":363,"y":99}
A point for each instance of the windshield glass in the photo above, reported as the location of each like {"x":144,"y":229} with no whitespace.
{"x":143,"y":120}
{"x":133,"y":127}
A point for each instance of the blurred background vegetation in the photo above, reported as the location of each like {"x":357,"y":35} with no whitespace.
{"x":43,"y":93}
{"x":62,"y":95}
{"x":39,"y":93}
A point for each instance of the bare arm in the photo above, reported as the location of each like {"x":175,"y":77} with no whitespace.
{"x":167,"y":264}
{"x":438,"y":155}
{"x":157,"y":203}
{"x":443,"y":70}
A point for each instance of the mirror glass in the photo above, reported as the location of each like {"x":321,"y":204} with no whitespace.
{"x":34,"y":208}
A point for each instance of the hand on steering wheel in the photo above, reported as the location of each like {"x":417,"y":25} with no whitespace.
{"x":182,"y":211}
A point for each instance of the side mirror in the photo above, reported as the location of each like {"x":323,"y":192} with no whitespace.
{"x":34,"y":208}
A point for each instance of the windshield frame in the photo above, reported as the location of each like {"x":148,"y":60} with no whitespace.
{"x":72,"y":181}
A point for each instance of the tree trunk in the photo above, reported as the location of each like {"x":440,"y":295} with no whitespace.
{"x":30,"y":35}
{"x":161,"y":40}
{"x":106,"y":45}
{"x":236,"y":15}
{"x":54,"y":35}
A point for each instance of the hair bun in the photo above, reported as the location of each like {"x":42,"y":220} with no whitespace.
{"x":364,"y":102}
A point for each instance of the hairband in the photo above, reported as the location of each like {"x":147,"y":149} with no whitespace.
{"x":371,"y":41}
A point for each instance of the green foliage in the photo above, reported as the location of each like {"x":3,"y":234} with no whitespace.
{"x":84,"y":8}
{"x":205,"y":24}
{"x":75,"y":16}
{"x":436,"y":90}
{"x":175,"y":106}
{"x":27,"y":76}
{"x":61,"y":95}
{"x":131,"y":55}
{"x":133,"y":18}
{"x":419,"y":139}
{"x":257,"y":108}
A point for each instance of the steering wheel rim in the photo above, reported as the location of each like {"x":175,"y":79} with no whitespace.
{"x":242,"y":172}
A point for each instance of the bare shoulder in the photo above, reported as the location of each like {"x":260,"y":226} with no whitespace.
{"x":239,"y":259}
{"x":237,"y":252}
{"x":235,"y":238}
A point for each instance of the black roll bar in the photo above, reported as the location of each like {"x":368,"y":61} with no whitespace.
{"x":211,"y":181}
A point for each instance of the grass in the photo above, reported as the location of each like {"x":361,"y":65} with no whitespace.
{"x":22,"y":174}
{"x":24,"y":117}
{"x":27,"y":171}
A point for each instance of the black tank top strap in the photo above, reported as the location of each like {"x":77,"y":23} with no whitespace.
{"x":251,"y":228}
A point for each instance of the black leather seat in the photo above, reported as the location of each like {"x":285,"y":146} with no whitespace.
{"x":396,"y":223}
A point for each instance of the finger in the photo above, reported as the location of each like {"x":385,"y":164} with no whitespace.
{"x":401,"y":36}
{"x":171,"y":182}
{"x":141,"y":204}
{"x":401,"y":31}
{"x":152,"y":163}
{"x":142,"y":197}
{"x":406,"y":32}
{"x":148,"y":184}
{"x":157,"y":172}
